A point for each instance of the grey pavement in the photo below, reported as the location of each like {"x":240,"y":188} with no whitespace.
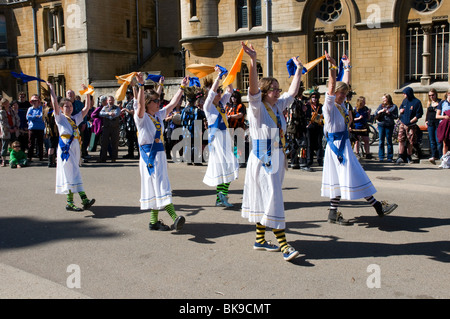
{"x":403,"y":255}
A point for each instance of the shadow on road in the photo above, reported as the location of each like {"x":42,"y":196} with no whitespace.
{"x":18,"y":232}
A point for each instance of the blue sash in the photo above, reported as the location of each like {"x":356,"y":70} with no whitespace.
{"x":218,"y":125}
{"x":263,"y":151}
{"x":338,"y":136}
{"x":65,"y":147}
{"x":150,"y":159}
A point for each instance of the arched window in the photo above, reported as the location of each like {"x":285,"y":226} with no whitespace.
{"x":245,"y":78}
{"x":427,"y":53}
{"x":336,"y":43}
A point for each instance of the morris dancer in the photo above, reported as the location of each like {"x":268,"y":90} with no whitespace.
{"x":223,"y":166}
{"x":68,"y":175}
{"x":343,"y":176}
{"x":263,"y":197}
{"x":156,"y":192}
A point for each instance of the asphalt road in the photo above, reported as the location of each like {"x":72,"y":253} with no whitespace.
{"x":108,"y":252}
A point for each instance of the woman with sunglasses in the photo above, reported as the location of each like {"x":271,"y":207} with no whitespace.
{"x":263,"y":197}
{"x":156,"y":192}
{"x":223,"y":167}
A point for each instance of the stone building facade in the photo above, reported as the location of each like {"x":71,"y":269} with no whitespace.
{"x":391,"y":43}
{"x":70,"y":42}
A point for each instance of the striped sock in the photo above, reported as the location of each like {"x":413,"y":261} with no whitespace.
{"x":225,"y":187}
{"x":70,"y":198}
{"x":154,"y":216}
{"x":281,"y":237}
{"x":371,"y":200}
{"x":334,"y":203}
{"x":171,"y":210}
{"x":222,"y":188}
{"x":83,"y":197}
{"x":260,"y":233}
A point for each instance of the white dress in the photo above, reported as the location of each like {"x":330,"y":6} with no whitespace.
{"x":263,"y":198}
{"x":68,"y":175}
{"x":347,"y":179}
{"x":156,"y":192}
{"x":223,"y":166}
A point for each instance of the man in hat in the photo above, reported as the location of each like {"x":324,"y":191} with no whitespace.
{"x":314,"y":130}
{"x":296,"y":130}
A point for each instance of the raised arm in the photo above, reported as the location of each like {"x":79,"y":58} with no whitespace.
{"x":54,"y":99}
{"x":295,"y":85}
{"x":141,"y":95}
{"x":332,"y":74}
{"x":88,"y":104}
{"x":160,"y":85}
{"x":347,"y":67}
{"x":176,"y":98}
{"x":253,"y":88}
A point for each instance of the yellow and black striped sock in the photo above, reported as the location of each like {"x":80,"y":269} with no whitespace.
{"x":281,"y":237}
{"x":171,"y":210}
{"x":154,"y":216}
{"x":260,"y":233}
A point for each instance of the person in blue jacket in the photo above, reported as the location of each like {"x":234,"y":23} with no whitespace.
{"x":36,"y":127}
{"x":410,"y":112}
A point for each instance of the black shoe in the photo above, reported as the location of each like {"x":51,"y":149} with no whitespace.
{"x":179,"y":223}
{"x":88,"y":203}
{"x":307,"y":169}
{"x":158,"y":226}
{"x":73,"y":208}
{"x":383,"y":208}
{"x":336,"y":217}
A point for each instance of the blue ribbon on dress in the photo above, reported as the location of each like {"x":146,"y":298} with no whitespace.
{"x":263,"y":151}
{"x":65,"y":147}
{"x":149,"y":159}
{"x":338,"y":136}
{"x":219,"y":124}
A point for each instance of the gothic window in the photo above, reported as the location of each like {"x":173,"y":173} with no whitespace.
{"x":336,"y":44}
{"x":59,"y":84}
{"x":439,"y":52}
{"x":426,"y":5}
{"x":434,"y":37}
{"x":330,"y":10}
{"x":248,"y":13}
{"x":245,"y":78}
{"x":414,"y":49}
{"x":54,"y":28}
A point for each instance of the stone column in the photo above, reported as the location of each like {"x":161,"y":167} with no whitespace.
{"x":426,"y":55}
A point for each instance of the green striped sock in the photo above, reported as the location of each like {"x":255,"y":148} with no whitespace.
{"x":171,"y":210}
{"x":154,"y":216}
{"x":222,"y":188}
{"x":70,"y":198}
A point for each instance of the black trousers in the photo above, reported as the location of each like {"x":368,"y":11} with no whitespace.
{"x":36,"y":138}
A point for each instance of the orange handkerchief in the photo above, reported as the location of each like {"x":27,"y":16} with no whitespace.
{"x":89,"y":90}
{"x":125,"y":80}
{"x":200,"y":70}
